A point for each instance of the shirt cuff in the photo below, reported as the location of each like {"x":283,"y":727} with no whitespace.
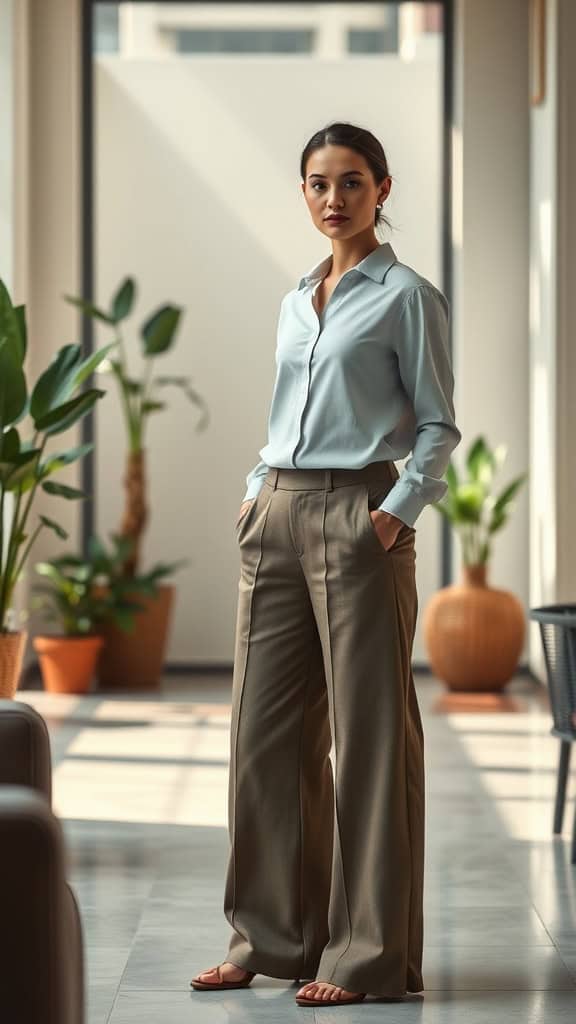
{"x":254,"y":488}
{"x":402,"y":502}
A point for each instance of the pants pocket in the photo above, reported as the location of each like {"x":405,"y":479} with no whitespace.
{"x":239,"y":528}
{"x":244,"y":516}
{"x":374,"y":495}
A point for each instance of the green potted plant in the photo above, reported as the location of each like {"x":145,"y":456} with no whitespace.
{"x":57,"y":400}
{"x":141,"y":397}
{"x":83,"y":595}
{"x":474,"y":632}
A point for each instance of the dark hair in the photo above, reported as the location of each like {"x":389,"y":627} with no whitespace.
{"x":342,"y":133}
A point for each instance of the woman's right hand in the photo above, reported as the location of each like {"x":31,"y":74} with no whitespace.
{"x":243,"y":509}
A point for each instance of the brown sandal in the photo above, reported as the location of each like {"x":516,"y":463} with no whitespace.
{"x":221,"y":983}
{"x":303,"y":1001}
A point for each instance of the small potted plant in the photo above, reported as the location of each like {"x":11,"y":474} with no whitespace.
{"x":141,"y":396}
{"x":474,"y":632}
{"x":87,"y":596}
{"x":57,"y":400}
{"x":73,"y":597}
{"x":67,"y":659}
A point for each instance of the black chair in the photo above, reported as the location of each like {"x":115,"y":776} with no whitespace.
{"x":558,"y":632}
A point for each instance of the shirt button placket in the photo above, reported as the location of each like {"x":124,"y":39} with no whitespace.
{"x":304,"y":391}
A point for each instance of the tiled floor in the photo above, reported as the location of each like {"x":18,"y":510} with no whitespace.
{"x":140,"y":784}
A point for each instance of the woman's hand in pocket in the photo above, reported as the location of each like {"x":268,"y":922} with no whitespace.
{"x":387,"y":527}
{"x":243,"y":509}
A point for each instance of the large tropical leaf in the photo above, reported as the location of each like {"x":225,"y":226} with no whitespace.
{"x":90,"y":309}
{"x":123,"y":300}
{"x":64,"y":375}
{"x":9,"y":445}
{"x":478,"y":455}
{"x":87,"y":367}
{"x":64,"y":416}
{"x":159,"y":330}
{"x":20,"y":470}
{"x":11,"y":326}
{"x":508,"y":493}
{"x":23,"y":412}
{"x":20,"y":314}
{"x":53,"y":386}
{"x":13,"y":391}
{"x":58,"y":460}
{"x":63,"y":491}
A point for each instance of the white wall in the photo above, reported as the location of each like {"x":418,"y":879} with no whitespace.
{"x":7,"y":149}
{"x":553,"y":314}
{"x":198,"y":195}
{"x":490,"y":238}
{"x":543,"y":338}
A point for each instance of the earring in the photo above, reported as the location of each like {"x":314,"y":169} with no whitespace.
{"x":379,"y":206}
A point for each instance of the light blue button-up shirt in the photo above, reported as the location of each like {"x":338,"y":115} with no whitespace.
{"x":368,"y":379}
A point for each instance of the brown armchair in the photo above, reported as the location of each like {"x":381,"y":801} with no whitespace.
{"x":41,"y":942}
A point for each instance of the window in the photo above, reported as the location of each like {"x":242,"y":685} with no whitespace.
{"x":106,"y":35}
{"x":239,"y":40}
{"x":373,"y":40}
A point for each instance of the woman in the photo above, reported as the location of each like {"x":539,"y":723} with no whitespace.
{"x":325,"y":874}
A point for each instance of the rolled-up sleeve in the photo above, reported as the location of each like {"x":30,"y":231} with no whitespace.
{"x":421,"y":344}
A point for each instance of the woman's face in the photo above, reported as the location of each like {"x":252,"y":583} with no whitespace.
{"x":338,"y":180}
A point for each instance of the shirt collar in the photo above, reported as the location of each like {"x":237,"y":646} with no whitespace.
{"x":374,"y":265}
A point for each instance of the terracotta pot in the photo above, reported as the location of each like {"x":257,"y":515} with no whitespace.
{"x":67,"y":662}
{"x":474,"y":633}
{"x":11,"y":654}
{"x":134,"y":661}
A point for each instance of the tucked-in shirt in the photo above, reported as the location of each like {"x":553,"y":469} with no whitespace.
{"x":369,"y":379}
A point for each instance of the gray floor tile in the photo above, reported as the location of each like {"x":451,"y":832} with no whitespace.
{"x":482,"y":926}
{"x":500,"y":892}
{"x":270,"y":1007}
{"x":484,"y":967}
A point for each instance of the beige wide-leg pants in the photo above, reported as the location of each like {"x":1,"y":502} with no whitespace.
{"x":325,"y":873}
